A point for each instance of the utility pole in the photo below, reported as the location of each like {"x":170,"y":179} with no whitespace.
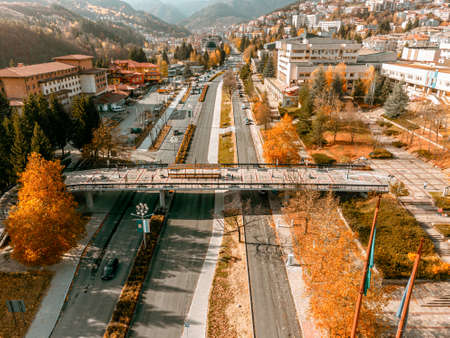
{"x":405,"y":309}
{"x":364,"y":276}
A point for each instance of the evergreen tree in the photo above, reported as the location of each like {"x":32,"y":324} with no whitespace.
{"x":5,"y":154}
{"x":319,"y":84}
{"x":44,"y":119}
{"x":318,"y":128}
{"x":304,"y":97}
{"x":386,"y":89}
{"x":187,"y":73}
{"x":262,"y":63}
{"x":336,"y":86}
{"x":21,"y":144}
{"x":137,"y":54}
{"x":395,"y":104}
{"x":5,"y":109}
{"x":269,"y":70}
{"x":245,"y":72}
{"x":61,"y":122}
{"x":85,"y":120}
{"x":40,"y":143}
{"x":31,"y":113}
{"x":165,"y":57}
{"x":358,"y":90}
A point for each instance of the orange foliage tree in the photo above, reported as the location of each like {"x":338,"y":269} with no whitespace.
{"x":281,"y":143}
{"x":45,"y":223}
{"x":332,"y":267}
{"x":262,"y":113}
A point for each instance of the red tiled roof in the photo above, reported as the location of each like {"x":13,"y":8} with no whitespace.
{"x":77,"y":57}
{"x":41,"y":68}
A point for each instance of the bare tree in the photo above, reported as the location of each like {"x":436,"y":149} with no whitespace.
{"x":229,"y":82}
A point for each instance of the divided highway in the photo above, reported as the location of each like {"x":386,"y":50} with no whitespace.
{"x":274,"y":313}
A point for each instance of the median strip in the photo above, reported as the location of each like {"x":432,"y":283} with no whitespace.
{"x":126,"y":305}
{"x":184,"y":147}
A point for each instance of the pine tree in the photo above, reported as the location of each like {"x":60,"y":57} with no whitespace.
{"x":269,"y":70}
{"x":5,"y":109}
{"x":396,"y":103}
{"x":21,"y":144}
{"x":358,"y":90}
{"x":165,"y":57}
{"x":187,"y":73}
{"x":40,"y":144}
{"x":85,"y":120}
{"x":60,"y":122}
{"x":319,"y":84}
{"x":386,"y":89}
{"x":5,"y":154}
{"x":336,"y":86}
{"x":262,"y":63}
{"x":304,"y":97}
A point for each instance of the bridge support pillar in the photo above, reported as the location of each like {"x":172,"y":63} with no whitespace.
{"x":89,"y":200}
{"x":162,"y":198}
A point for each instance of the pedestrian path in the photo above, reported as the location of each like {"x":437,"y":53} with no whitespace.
{"x":213,"y":153}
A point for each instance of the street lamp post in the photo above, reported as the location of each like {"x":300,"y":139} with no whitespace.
{"x":142,"y":212}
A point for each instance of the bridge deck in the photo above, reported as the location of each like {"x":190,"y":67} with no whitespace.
{"x":172,"y":178}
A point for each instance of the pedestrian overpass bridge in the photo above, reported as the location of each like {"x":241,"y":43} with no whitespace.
{"x":230,"y":177}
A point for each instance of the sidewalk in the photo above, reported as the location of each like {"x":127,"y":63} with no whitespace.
{"x":213,"y":153}
{"x":48,"y":313}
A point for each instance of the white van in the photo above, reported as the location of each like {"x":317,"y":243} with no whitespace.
{"x":117,"y":108}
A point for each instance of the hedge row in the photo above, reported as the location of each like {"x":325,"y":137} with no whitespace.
{"x":204,"y":91}
{"x":126,"y":305}
{"x":216,"y":75}
{"x":186,"y":95}
{"x":184,"y":147}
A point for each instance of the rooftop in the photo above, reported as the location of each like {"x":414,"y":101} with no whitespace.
{"x":75,"y":57}
{"x":422,"y":66}
{"x":32,"y":70}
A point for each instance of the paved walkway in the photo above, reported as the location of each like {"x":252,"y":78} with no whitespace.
{"x":420,"y":178}
{"x":213,"y":154}
{"x":51,"y":305}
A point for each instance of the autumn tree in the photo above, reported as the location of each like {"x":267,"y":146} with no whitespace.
{"x":280,"y":144}
{"x":262,"y":114}
{"x":45,"y":223}
{"x":229,"y":82}
{"x":105,"y":141}
{"x":327,"y":250}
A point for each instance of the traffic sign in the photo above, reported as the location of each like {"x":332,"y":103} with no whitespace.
{"x":143,"y":225}
{"x":146,"y":226}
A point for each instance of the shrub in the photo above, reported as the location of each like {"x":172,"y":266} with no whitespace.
{"x":398,"y":144}
{"x":424,"y":153}
{"x":203,"y":95}
{"x":186,"y":95}
{"x":184,"y":147}
{"x":383,"y":123}
{"x":381,"y":153}
{"x":440,"y":201}
{"x":443,"y":229}
{"x":391,"y":132}
{"x":399,"y":189}
{"x":323,"y":159}
{"x":398,"y":237}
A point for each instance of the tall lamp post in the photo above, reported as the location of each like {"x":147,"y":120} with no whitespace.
{"x":142,"y":212}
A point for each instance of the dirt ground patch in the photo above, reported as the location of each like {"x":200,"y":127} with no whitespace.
{"x":343,"y":150}
{"x":27,"y":286}
{"x":229,"y":313}
{"x":226,"y":148}
{"x":225,"y":113}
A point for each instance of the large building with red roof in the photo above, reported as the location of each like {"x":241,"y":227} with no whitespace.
{"x":65,"y":77}
{"x":132,"y":72}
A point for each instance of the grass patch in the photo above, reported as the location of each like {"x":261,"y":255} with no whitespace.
{"x":442,"y":202}
{"x":381,"y":153}
{"x":443,"y":229}
{"x":397,"y":239}
{"x":320,"y":158}
{"x":28,"y":286}
{"x":424,"y":154}
{"x":403,"y":121}
{"x":225,"y":111}
{"x":398,"y":144}
{"x":126,"y":305}
{"x":226,"y":148}
{"x":162,"y":135}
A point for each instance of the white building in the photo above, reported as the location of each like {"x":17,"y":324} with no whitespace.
{"x":421,"y":80}
{"x":299,"y":57}
{"x":431,"y":54}
{"x":330,"y":26}
{"x":299,"y":20}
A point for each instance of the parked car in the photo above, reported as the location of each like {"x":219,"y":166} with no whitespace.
{"x":136,"y":130}
{"x":110,"y":269}
{"x":177,"y":132}
{"x":117,"y":108}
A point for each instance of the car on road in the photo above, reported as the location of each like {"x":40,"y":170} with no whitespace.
{"x":110,"y":269}
{"x":177,"y":132}
{"x":248,"y":122}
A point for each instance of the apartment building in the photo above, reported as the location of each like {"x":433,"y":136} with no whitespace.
{"x":421,"y":80}
{"x":71,"y":75}
{"x":299,"y":57}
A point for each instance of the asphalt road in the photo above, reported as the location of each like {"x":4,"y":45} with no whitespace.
{"x":200,"y":143}
{"x":274,"y":313}
{"x":91,"y":300}
{"x":169,"y":288}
